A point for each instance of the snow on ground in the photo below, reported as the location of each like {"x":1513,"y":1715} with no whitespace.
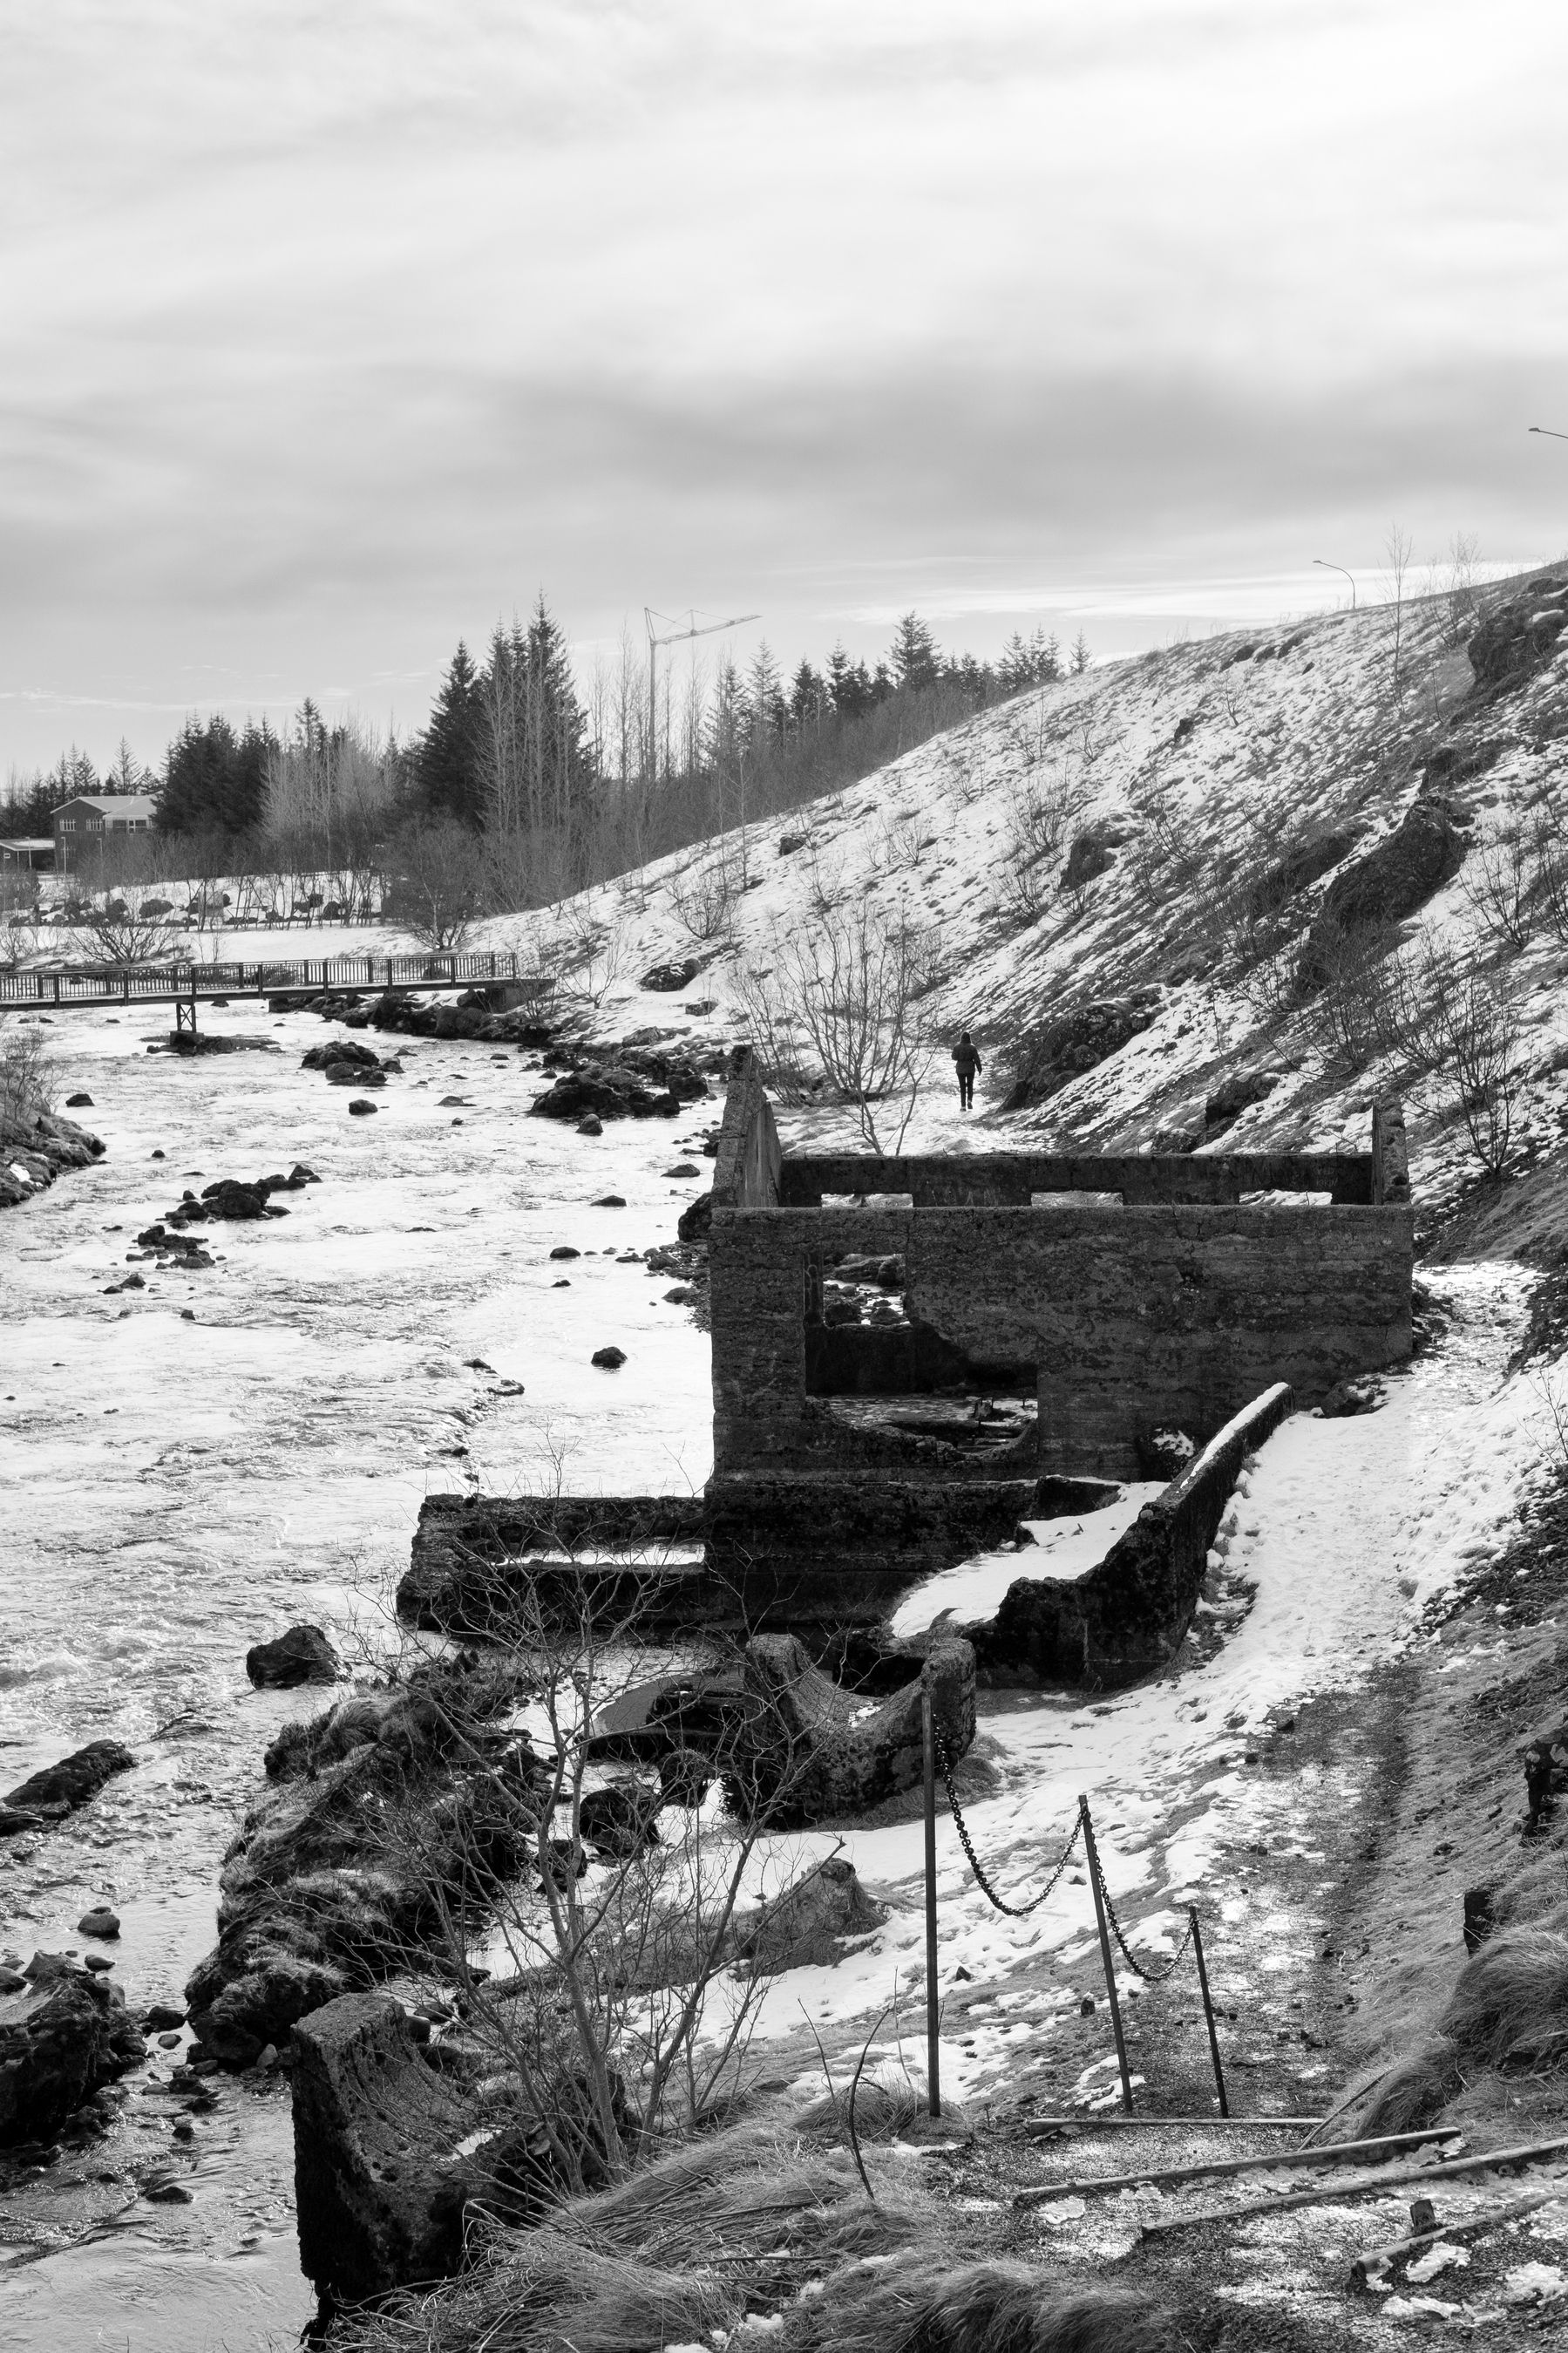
{"x":1062,"y":1549}
{"x":1343,"y":1530}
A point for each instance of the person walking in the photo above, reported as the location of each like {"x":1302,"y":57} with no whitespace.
{"x":966,"y":1061}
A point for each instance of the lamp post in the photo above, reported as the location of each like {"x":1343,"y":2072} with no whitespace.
{"x":1550,"y":432}
{"x":1338,"y":567}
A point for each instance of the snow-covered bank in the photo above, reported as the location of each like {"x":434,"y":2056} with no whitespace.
{"x":1341,"y":1535}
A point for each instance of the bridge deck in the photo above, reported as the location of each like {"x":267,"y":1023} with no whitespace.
{"x":101,"y":985}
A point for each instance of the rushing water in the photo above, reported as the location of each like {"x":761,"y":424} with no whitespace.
{"x":173,"y":1491}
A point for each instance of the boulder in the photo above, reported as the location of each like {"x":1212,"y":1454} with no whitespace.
{"x":347,"y":1074}
{"x":58,"y":1790}
{"x":809,"y":1925}
{"x":591,"y":1125}
{"x":620,"y":1820}
{"x":361,"y":1108}
{"x":609,"y":1360}
{"x":1393,"y":880}
{"x":804,"y":1749}
{"x":101,"y":1922}
{"x":695,"y":1222}
{"x":1061,"y":1050}
{"x":1092,"y":854}
{"x":378,"y":2187}
{"x":324,"y":1890}
{"x":78,"y":1102}
{"x":1235,"y":1094}
{"x":302,"y":1656}
{"x":234,"y":1202}
{"x":346,"y":1051}
{"x":62,"y":2038}
{"x":666,"y":978}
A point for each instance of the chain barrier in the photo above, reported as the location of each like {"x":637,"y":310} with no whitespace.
{"x":1150,"y":1977}
{"x":1021,"y":1911}
{"x":1014,"y":1911}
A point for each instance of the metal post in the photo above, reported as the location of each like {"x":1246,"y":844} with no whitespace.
{"x":1092,"y":1854}
{"x":928,"y":1742}
{"x":1208,"y":2009}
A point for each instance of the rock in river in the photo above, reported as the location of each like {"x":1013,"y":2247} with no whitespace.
{"x":60,"y":2040}
{"x":302,"y":1656}
{"x":58,"y":1790}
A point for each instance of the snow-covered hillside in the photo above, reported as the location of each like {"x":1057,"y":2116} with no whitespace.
{"x":1201,"y":780}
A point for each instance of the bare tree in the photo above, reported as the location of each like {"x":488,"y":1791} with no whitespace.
{"x":24,"y":1091}
{"x":438,"y":882}
{"x":1397,"y":548}
{"x":1501,"y":879}
{"x":846,"y":991}
{"x":622,"y":1969}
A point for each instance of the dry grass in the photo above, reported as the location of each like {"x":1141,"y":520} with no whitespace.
{"x":1511,"y":2001}
{"x":1507,"y":2010}
{"x":754,"y":2221}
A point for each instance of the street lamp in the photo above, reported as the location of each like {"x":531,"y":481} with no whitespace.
{"x":1550,"y":433}
{"x":1338,"y":567}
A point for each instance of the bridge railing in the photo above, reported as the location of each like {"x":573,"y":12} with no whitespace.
{"x":131,"y":984}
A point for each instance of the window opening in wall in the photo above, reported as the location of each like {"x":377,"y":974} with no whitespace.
{"x":883,"y":1372}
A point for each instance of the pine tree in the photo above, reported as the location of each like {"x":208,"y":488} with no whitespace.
{"x":1080,"y":655}
{"x":809,"y":697}
{"x":913,"y":657}
{"x":765,"y":707}
{"x":215,"y":781}
{"x":448,"y":757}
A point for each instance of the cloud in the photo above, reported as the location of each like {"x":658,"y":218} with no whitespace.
{"x":331,"y":334}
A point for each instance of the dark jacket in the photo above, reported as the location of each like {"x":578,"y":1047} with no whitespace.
{"x":966,"y":1059}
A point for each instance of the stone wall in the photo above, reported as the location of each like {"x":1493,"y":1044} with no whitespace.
{"x":1124,"y":1320}
{"x":1125,"y":1617}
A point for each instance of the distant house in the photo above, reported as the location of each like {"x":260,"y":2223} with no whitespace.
{"x":34,"y":851}
{"x":85,"y":822}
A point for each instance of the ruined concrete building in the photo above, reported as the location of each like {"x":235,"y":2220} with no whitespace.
{"x":914,"y":1356}
{"x":1056,"y":1313}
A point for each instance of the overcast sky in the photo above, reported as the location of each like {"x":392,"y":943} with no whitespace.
{"x":332,"y":331}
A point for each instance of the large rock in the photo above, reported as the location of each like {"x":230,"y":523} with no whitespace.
{"x":63,"y":2037}
{"x":302,"y":1656}
{"x":1048,"y":1058}
{"x":384,"y":1814}
{"x":58,"y":1790}
{"x":809,"y":1925}
{"x":666,"y":978}
{"x":32,"y":1160}
{"x":377,"y":2184}
{"x":379,"y":2116}
{"x":805,"y":1750}
{"x":1394,"y":880}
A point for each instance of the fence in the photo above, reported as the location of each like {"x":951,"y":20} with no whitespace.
{"x":142,"y":984}
{"x":1110,"y":1926}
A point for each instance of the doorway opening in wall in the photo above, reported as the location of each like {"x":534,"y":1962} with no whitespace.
{"x":882,"y":1371}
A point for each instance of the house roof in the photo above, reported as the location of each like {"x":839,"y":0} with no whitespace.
{"x":112,"y":804}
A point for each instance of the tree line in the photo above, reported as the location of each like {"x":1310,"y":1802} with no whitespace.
{"x":531,"y":781}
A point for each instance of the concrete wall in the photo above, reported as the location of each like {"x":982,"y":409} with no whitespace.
{"x":1126,"y":1319}
{"x":1171,"y":1307}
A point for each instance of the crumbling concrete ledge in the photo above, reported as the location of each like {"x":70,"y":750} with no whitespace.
{"x":1124,"y":1618}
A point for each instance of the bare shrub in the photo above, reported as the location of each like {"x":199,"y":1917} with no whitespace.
{"x":1479,"y":1024}
{"x":705,"y":896}
{"x":1369,"y":1001}
{"x":1501,"y":879}
{"x":438,"y":882}
{"x":848,"y":992}
{"x":593,"y":959}
{"x":1461,"y":595}
{"x":1549,"y":857}
{"x":25,"y":1090}
{"x":634,"y":1972}
{"x":126,"y":927}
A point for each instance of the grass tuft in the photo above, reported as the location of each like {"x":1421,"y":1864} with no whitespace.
{"x":1512,"y":2000}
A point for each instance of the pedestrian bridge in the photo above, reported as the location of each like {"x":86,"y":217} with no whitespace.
{"x":84,"y":985}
